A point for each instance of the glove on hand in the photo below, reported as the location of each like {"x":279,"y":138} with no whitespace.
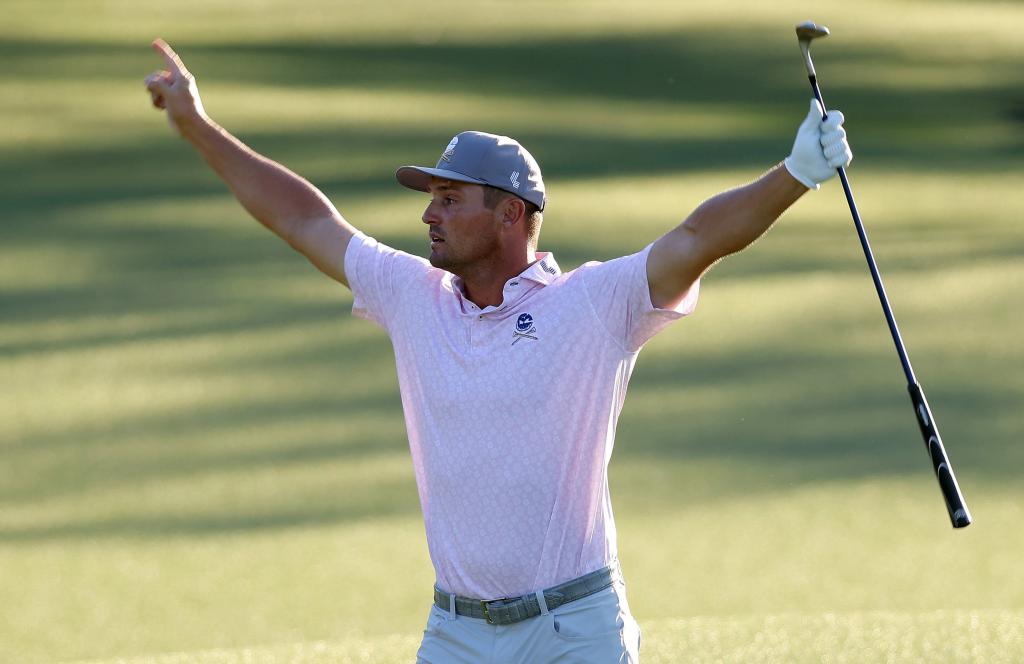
{"x":820,"y":148}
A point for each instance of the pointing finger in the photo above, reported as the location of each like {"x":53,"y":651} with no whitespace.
{"x":174,"y":63}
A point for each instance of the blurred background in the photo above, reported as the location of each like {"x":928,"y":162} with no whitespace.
{"x":204,"y":457}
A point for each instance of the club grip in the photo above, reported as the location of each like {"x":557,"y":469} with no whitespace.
{"x":958,"y":512}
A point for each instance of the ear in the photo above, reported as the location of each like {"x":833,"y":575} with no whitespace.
{"x":512,"y":210}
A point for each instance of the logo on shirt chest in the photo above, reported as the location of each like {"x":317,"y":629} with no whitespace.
{"x":525,"y":329}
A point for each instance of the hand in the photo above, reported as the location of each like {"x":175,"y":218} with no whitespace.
{"x":174,"y":89}
{"x":820,"y":147}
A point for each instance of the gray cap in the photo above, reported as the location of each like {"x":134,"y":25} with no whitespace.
{"x":480,"y":158}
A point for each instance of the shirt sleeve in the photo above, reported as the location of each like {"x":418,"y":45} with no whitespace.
{"x":379,"y":276}
{"x":621,"y":297}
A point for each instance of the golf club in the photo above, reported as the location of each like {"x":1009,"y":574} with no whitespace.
{"x":958,"y":513}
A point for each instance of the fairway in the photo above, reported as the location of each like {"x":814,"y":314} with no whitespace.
{"x":203,"y":452}
{"x":852,"y":638}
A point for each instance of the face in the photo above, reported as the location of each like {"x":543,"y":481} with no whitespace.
{"x":462,"y":230}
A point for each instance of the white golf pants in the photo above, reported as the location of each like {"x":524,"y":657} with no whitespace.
{"x":597,"y":629}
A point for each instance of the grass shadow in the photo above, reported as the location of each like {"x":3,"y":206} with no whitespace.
{"x":185,"y":279}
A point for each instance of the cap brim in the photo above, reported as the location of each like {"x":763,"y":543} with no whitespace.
{"x":418,"y":177}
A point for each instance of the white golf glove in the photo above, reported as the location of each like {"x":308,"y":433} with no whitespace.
{"x":820,"y":148}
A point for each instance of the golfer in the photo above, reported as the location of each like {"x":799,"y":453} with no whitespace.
{"x":512,"y":372}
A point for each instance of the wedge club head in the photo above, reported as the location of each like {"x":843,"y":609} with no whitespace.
{"x":805,"y":32}
{"x":809,"y":30}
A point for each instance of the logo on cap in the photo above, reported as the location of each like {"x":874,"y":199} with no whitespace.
{"x":515,"y":179}
{"x":449,"y":151}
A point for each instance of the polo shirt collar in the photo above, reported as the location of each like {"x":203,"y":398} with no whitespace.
{"x":542,"y":272}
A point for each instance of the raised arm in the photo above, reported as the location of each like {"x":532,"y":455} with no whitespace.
{"x":728,"y":222}
{"x":279,"y":199}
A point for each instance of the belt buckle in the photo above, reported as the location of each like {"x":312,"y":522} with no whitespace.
{"x":487,"y":613}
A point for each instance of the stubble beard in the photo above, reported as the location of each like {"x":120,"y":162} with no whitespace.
{"x":442,"y":261}
{"x":461,"y":261}
{"x":454,"y":264}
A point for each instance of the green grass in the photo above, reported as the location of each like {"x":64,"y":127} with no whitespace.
{"x":946,"y":636}
{"x":203,"y":455}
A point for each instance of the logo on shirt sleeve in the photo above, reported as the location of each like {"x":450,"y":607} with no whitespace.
{"x":525,"y":329}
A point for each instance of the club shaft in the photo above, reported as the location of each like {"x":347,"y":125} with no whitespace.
{"x":959,"y":515}
{"x":894,"y":330}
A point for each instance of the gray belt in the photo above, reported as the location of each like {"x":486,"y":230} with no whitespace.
{"x":515,"y":609}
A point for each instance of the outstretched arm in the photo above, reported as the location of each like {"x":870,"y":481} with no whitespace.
{"x":279,"y":199}
{"x":728,"y":222}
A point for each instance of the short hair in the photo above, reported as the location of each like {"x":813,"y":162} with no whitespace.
{"x":493,"y":197}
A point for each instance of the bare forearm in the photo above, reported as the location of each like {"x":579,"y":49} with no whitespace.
{"x":721,"y":225}
{"x":281,"y":200}
{"x":278,"y":198}
{"x":728,"y":222}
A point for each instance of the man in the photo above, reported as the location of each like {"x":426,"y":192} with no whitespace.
{"x":512,"y":373}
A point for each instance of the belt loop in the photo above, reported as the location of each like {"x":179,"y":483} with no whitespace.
{"x":541,"y":602}
{"x":451,"y":605}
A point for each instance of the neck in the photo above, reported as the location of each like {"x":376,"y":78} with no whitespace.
{"x":484,"y":285}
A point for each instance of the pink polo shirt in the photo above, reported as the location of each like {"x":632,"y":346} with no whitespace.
{"x":511,"y":410}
